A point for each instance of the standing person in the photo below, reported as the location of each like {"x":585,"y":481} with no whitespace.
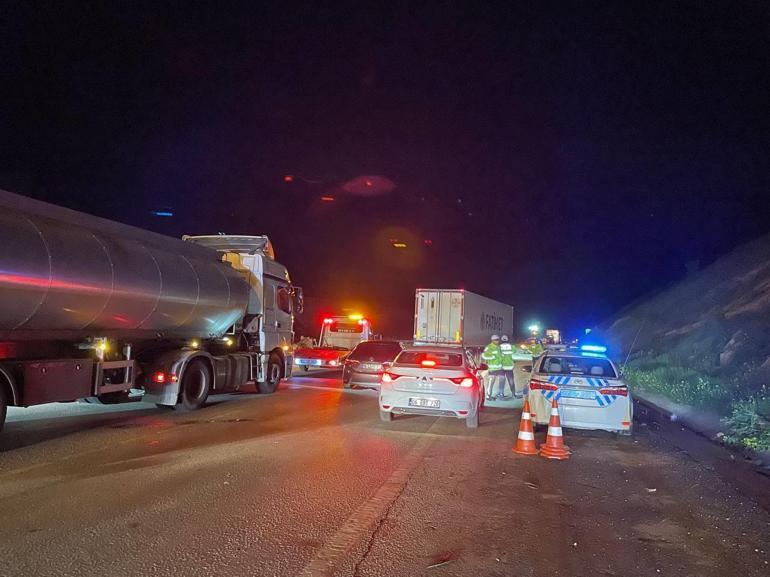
{"x":506,"y":350}
{"x":535,"y":347}
{"x":493,"y":357}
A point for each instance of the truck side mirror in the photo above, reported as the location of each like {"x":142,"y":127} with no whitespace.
{"x":299,"y":300}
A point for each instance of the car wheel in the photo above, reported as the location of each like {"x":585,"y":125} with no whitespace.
{"x":195,"y":386}
{"x":3,"y":405}
{"x":273,"y":375}
{"x":386,"y":416}
{"x":472,"y":421}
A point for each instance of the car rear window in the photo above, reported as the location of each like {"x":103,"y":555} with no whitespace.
{"x":376,"y":351}
{"x":441,"y":359}
{"x":589,"y":367}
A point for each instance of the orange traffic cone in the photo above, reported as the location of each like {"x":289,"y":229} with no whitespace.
{"x":525,"y":443}
{"x":554,"y":447}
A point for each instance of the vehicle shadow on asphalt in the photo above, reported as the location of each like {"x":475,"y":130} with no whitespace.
{"x":25,"y":433}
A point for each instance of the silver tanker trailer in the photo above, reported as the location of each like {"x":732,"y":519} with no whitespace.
{"x":98,"y":310}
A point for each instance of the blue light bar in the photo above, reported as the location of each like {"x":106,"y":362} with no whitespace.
{"x":162,"y":213}
{"x":593,"y":355}
{"x":593,"y":349}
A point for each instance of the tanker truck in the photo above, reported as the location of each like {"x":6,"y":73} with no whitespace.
{"x":97,"y":310}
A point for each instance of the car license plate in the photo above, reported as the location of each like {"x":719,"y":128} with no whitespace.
{"x":312,"y":362}
{"x":370,"y":366}
{"x":573,"y":394}
{"x":429,"y":403}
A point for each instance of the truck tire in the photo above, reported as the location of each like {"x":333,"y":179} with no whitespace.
{"x":3,"y":405}
{"x":273,"y":375}
{"x":195,"y":386}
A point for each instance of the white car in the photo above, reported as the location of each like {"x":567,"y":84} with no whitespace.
{"x":432,"y":380}
{"x":587,"y":386}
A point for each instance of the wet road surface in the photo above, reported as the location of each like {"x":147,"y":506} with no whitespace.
{"x":309,"y":482}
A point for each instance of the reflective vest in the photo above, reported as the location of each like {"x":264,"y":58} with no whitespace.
{"x":493,"y":357}
{"x":506,"y":351}
{"x":536,"y":349}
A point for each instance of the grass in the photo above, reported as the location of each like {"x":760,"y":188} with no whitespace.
{"x":744,"y":407}
{"x":748,"y":424}
{"x":681,"y":385}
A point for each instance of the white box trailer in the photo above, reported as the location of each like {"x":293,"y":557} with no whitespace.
{"x":457,"y":316}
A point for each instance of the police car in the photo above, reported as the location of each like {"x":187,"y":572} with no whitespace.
{"x":587,"y":386}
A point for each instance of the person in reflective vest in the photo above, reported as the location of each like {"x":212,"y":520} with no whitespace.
{"x":493,"y":358}
{"x":535,"y":347}
{"x":506,"y":351}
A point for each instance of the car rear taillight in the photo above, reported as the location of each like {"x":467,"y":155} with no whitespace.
{"x":619,"y":391}
{"x":464,"y":381}
{"x":389,"y":377}
{"x":535,"y":385}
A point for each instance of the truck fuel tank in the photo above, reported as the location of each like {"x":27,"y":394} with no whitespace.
{"x":66,"y":274}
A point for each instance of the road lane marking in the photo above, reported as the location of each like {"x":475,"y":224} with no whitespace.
{"x":353,"y":530}
{"x":359,"y":392}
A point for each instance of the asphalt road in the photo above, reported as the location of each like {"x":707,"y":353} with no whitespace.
{"x":309,"y":482}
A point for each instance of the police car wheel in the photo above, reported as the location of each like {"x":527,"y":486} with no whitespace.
{"x":3,"y":405}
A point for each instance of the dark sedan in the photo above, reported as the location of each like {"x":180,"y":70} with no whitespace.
{"x":366,"y":363}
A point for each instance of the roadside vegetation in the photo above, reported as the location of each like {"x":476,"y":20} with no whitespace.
{"x":740,"y":397}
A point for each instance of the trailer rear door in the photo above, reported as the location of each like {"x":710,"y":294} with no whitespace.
{"x":438,"y":316}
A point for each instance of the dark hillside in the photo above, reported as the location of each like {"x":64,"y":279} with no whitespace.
{"x":706,"y":340}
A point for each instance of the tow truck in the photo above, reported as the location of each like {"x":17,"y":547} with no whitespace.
{"x":339,"y":335}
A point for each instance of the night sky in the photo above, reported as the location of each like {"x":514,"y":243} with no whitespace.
{"x":565,"y":158}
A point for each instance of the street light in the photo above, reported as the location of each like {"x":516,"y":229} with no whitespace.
{"x":534,"y":329}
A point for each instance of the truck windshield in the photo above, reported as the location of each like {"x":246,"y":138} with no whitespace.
{"x":441,"y":359}
{"x":346,"y":328}
{"x":590,"y":367}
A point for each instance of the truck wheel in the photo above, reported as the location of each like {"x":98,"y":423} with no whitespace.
{"x":3,"y":405}
{"x":273,"y":375}
{"x":195,"y":386}
{"x":386,"y":416}
{"x":472,"y":421}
